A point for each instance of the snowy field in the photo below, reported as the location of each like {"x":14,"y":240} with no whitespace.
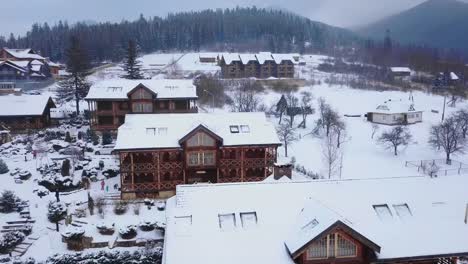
{"x":362,"y":156}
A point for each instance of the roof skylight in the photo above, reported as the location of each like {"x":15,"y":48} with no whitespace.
{"x":234,"y":129}
{"x":310,"y":225}
{"x":114,"y":89}
{"x":383,"y":211}
{"x":249,"y":219}
{"x":227,"y":221}
{"x":402,"y":210}
{"x":245,"y":129}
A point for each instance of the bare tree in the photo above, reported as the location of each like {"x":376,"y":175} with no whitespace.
{"x":173,"y":68}
{"x":339,"y":130}
{"x":375,"y":128}
{"x":331,"y":154}
{"x":287,"y":135}
{"x":448,"y":136}
{"x":245,"y":98}
{"x":396,"y":137}
{"x":306,"y":107}
{"x":461,"y":117}
{"x":293,"y":107}
{"x":328,"y":119}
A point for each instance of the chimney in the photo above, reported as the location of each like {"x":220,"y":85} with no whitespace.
{"x":281,"y":170}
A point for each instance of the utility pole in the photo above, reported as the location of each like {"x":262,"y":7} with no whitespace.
{"x":443,"y":111}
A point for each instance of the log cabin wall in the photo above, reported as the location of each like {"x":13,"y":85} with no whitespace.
{"x":147,"y":173}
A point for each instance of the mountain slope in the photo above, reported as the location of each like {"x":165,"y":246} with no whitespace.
{"x":438,"y":23}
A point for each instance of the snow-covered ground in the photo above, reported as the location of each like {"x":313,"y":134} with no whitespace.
{"x":362,"y":156}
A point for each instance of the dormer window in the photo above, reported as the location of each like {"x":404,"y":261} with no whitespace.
{"x":234,"y":129}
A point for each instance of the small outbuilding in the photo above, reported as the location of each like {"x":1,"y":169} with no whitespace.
{"x":395,"y":112}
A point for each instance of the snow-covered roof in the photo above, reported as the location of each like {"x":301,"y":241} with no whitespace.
{"x":36,"y":68}
{"x":23,"y":54}
{"x":24,"y":105}
{"x":164,"y":88}
{"x":283,"y":57}
{"x":430,"y":222}
{"x":168,"y":129}
{"x":264,"y":56}
{"x":36,"y":62}
{"x":230,"y":57}
{"x":22,"y":64}
{"x":13,"y":65}
{"x":400,"y":69}
{"x":453,"y":76}
{"x":246,"y":58}
{"x":395,"y":107}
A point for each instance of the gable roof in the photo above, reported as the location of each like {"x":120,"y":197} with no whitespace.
{"x":142,"y":86}
{"x":118,"y":89}
{"x":434,"y":228}
{"x":396,"y":106}
{"x":264,"y":56}
{"x":133,"y":134}
{"x":283,"y":57}
{"x":201,"y":128}
{"x":24,"y":105}
{"x":13,"y":65}
{"x":24,"y":54}
{"x":246,"y":58}
{"x":230,"y":57}
{"x":316,"y":220}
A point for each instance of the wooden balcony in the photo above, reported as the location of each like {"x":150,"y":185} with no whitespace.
{"x":151,"y":186}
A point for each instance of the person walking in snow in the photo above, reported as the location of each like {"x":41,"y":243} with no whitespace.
{"x":102,"y":185}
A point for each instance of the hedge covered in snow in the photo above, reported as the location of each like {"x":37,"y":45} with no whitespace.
{"x":152,"y":256}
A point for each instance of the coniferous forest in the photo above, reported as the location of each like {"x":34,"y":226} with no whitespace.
{"x":229,"y":29}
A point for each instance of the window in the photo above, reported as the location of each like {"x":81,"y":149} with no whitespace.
{"x":310,"y":225}
{"x":201,"y":139}
{"x":248,"y":219}
{"x":206,"y":158}
{"x":331,"y":246}
{"x":402,"y":210}
{"x":114,"y":89}
{"x":234,"y":129}
{"x":383,"y":211}
{"x":245,"y":129}
{"x":151,"y":131}
{"x":142,"y":107}
{"x":227,"y":221}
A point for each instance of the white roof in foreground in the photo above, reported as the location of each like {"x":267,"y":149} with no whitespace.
{"x":292,"y":213}
{"x":164,"y":88}
{"x":24,"y":105}
{"x":395,"y":107}
{"x":134,"y":134}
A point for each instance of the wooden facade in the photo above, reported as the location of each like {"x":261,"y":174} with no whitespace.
{"x":201,"y":157}
{"x":109,"y":114}
{"x":29,"y":65}
{"x":269,"y":68}
{"x":22,"y":123}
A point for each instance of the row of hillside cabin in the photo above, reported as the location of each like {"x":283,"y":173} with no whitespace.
{"x":109,"y":101}
{"x":262,"y":65}
{"x":25,"y":112}
{"x":371,"y":221}
{"x":25,"y":64}
{"x":160,"y":151}
{"x":395,"y":112}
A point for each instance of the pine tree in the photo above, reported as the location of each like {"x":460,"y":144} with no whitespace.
{"x":68,"y":137}
{"x":132,"y":66}
{"x":65,"y":171}
{"x":56,"y":211}
{"x":3,"y":167}
{"x":8,"y":201}
{"x":106,"y":138}
{"x":77,"y":66}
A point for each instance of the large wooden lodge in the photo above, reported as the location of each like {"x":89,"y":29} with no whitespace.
{"x":362,"y":221}
{"x":111,"y":100}
{"x":262,"y":65}
{"x":160,"y":151}
{"x":25,"y":112}
{"x":25,"y":64}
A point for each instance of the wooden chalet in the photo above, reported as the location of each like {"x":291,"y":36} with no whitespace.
{"x":110,"y":101}
{"x":158,"y":152}
{"x":25,"y":64}
{"x":21,"y":113}
{"x":262,"y":65}
{"x":367,"y":221}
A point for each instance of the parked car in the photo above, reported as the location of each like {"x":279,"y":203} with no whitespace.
{"x":105,"y":150}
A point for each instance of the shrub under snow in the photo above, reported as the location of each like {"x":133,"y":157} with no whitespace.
{"x":10,"y":240}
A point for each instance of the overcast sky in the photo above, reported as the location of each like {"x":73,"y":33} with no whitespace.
{"x":344,"y":13}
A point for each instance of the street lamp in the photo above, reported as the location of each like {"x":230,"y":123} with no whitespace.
{"x":212,"y":98}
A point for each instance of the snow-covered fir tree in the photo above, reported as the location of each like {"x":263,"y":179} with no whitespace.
{"x":131,"y":65}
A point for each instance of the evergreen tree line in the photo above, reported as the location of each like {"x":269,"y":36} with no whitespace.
{"x":248,"y":28}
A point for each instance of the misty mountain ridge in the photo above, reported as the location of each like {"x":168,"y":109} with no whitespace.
{"x":436,"y":23}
